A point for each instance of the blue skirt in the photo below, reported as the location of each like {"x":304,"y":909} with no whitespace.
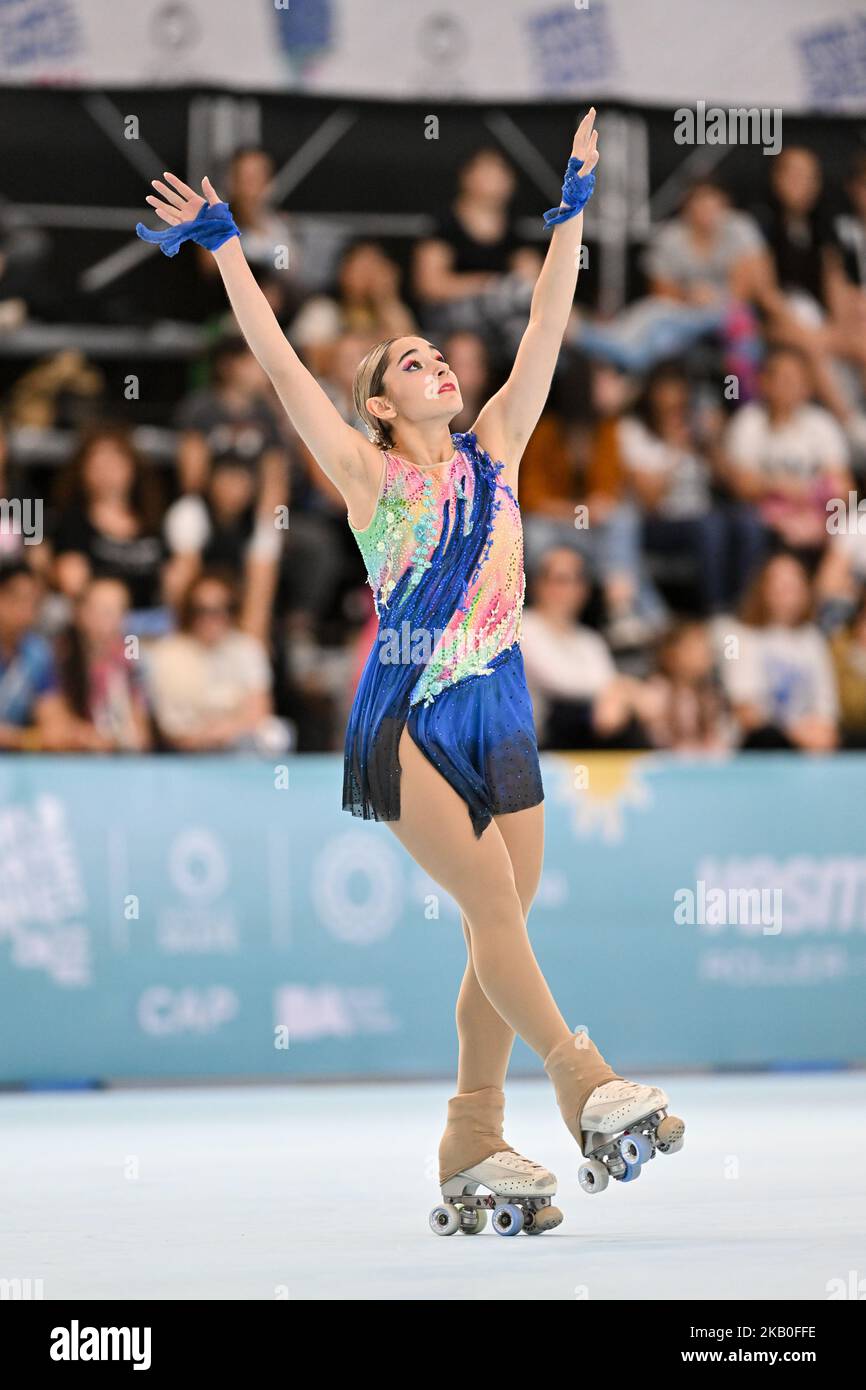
{"x":478,"y":733}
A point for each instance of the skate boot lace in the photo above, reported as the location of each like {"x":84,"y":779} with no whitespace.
{"x":619,"y":1090}
{"x":510,"y":1159}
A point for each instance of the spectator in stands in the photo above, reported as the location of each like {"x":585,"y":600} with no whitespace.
{"x":109,"y":519}
{"x":233,"y":418}
{"x":266,"y":232}
{"x":573,"y":492}
{"x":472,"y":272}
{"x":580,"y":700}
{"x":777,"y":671}
{"x":799,"y":284}
{"x":849,"y":234}
{"x":666,"y":463}
{"x":707,"y":254}
{"x":33,"y":713}
{"x":610,"y":394}
{"x":683,"y":705}
{"x":849,"y":661}
{"x":366,"y":301}
{"x":214,"y":528}
{"x":210,"y":683}
{"x":475,"y":239}
{"x":788,"y":456}
{"x":101,"y":672}
{"x":702,"y":269}
{"x":272,"y":244}
{"x":797,"y":228}
{"x":846,"y":277}
{"x":554,"y":491}
{"x":224,"y":529}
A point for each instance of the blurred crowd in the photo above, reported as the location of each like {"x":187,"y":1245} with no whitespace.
{"x":696,"y":559}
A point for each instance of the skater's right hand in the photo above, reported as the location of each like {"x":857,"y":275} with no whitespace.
{"x":180,"y":203}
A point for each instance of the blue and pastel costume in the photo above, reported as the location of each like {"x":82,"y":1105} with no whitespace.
{"x":444,"y":558}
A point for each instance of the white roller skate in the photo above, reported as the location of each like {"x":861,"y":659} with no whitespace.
{"x":623,"y":1125}
{"x":519,"y":1193}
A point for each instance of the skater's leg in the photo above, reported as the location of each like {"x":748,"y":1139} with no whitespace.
{"x":485,"y":1039}
{"x":435,"y":828}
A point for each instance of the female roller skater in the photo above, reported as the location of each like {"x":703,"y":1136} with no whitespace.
{"x":441,"y":742}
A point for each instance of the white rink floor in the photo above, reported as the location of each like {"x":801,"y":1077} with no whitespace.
{"x":323,"y":1192}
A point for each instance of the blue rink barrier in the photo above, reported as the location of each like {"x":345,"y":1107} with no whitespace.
{"x":222,"y":917}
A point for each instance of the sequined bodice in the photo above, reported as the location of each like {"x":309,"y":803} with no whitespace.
{"x":404,"y":535}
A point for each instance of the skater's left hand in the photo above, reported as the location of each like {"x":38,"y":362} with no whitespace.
{"x":585,"y":145}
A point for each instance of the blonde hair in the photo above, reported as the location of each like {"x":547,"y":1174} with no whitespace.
{"x":369,"y":380}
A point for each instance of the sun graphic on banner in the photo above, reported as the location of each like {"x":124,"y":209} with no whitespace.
{"x":598,"y":787}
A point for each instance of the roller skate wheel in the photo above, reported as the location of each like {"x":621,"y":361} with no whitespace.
{"x":672,"y":1148}
{"x":544,"y":1220}
{"x":444,"y":1220}
{"x":670,"y":1129}
{"x":635,"y":1149}
{"x":632,"y":1171}
{"x":473,"y":1223}
{"x":593,"y":1176}
{"x":507,"y":1220}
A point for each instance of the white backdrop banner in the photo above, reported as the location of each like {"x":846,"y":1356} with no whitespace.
{"x":798,"y":55}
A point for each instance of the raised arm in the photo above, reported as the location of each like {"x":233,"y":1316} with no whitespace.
{"x":508,"y":419}
{"x":341,"y":451}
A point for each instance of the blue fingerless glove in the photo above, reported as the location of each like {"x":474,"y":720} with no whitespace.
{"x":212,"y":225}
{"x":576,"y":193}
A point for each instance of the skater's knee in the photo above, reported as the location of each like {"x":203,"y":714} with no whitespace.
{"x":527,"y":898}
{"x":490,"y":907}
